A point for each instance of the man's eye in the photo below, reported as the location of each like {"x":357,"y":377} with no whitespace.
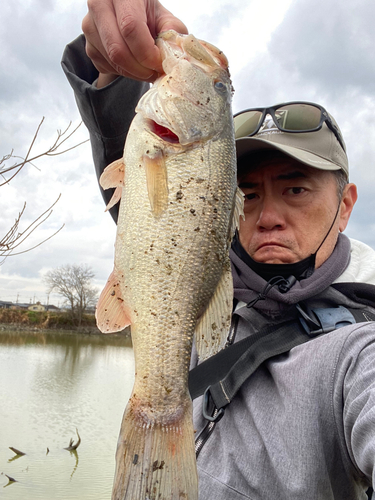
{"x":296,"y":190}
{"x":250,"y":196}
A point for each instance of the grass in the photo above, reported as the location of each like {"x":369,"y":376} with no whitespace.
{"x":44,"y":319}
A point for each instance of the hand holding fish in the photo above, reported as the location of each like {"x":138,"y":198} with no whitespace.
{"x":120,"y":37}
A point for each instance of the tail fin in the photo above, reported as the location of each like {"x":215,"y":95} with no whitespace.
{"x":155,"y":462}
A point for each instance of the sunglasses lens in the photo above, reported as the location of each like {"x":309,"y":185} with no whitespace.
{"x":298,"y":117}
{"x":246,"y":123}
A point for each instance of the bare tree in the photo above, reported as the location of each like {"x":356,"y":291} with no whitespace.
{"x":73,"y":282}
{"x":14,"y":238}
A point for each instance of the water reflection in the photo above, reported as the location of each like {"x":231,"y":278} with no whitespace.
{"x":51,"y":385}
{"x":75,"y":454}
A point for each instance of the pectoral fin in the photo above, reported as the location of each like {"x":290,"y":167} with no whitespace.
{"x":113,"y":177}
{"x":115,"y":198}
{"x":157,"y":186}
{"x":111,"y":312}
{"x":213,"y":326}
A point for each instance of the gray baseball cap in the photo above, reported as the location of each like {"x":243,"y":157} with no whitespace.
{"x":319,"y":149}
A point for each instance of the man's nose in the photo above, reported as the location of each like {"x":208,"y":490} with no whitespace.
{"x":271,"y":215}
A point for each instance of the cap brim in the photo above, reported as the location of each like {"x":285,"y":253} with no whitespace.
{"x":246,"y":145}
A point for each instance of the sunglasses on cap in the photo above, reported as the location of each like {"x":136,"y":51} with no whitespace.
{"x":291,"y":117}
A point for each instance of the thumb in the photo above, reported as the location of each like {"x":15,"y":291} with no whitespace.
{"x":165,"y":21}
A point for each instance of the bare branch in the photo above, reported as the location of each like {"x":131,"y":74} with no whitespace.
{"x":52,"y":151}
{"x":14,"y":238}
{"x":25,"y":160}
{"x":11,"y":479}
{"x":6,"y":157}
{"x":72,"y":446}
{"x":17,"y":452}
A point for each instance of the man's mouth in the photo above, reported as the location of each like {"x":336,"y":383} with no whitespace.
{"x":271,"y":244}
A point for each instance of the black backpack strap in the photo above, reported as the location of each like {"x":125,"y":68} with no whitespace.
{"x":362,"y":315}
{"x":221,"y":375}
{"x":362,"y":293}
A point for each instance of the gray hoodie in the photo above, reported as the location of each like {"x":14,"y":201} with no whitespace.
{"x":303,"y":425}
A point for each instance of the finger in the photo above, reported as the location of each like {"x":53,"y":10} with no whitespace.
{"x":94,"y":47}
{"x":133,"y":24}
{"x":103,"y":66}
{"x":100,"y":62}
{"x":165,"y":21}
{"x":139,"y":22}
{"x":106,"y":38}
{"x":105,"y":79}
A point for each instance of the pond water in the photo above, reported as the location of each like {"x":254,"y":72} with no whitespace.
{"x":51,"y":385}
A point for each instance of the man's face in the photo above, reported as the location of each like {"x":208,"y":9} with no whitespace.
{"x":289,"y":209}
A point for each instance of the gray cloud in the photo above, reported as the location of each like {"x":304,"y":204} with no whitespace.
{"x":210,"y":26}
{"x":329,"y":43}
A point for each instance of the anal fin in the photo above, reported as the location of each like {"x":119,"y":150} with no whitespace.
{"x":111,"y":315}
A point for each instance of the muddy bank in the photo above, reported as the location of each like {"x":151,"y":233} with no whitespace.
{"x":16,"y":320}
{"x":83,"y":330}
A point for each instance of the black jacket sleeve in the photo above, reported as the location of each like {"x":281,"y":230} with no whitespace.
{"x":106,"y":112}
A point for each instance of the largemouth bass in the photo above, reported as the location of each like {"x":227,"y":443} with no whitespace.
{"x":179,"y":209}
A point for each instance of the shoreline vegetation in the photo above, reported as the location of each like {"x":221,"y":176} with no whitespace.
{"x":15,"y":320}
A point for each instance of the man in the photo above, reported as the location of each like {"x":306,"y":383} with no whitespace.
{"x":303,"y":425}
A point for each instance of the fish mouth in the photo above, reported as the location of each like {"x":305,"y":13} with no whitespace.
{"x":164,"y":133}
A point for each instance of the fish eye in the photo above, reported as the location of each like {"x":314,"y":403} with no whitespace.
{"x":220,"y":86}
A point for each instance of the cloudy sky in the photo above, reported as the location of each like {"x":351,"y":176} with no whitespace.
{"x":280,"y":50}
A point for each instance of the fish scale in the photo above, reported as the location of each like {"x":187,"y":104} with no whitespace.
{"x":171,"y":279}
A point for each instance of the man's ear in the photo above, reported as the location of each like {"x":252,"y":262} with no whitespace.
{"x":348,"y":200}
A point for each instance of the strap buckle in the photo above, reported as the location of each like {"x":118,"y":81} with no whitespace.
{"x":209,"y":410}
{"x":324,"y":320}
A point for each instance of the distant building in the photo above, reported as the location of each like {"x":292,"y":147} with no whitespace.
{"x":5,"y":305}
{"x":36,"y":307}
{"x":51,"y":307}
{"x":20,"y":306}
